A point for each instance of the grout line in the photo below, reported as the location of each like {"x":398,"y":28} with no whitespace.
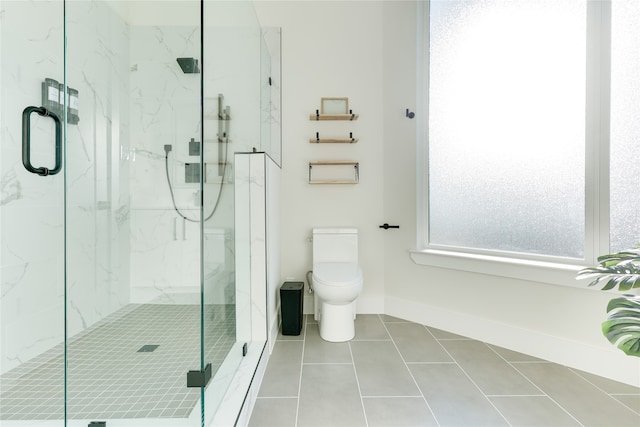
{"x":276,"y":397}
{"x":474,"y":383}
{"x":517,"y":395}
{"x":327,"y":363}
{"x":304,"y":341}
{"x":532,"y":362}
{"x":392,"y":397}
{"x":579,"y":374}
{"x":514,"y":368}
{"x":411,"y":373}
{"x":534,"y":384}
{"x":431,"y":363}
{"x":611,"y":395}
{"x":355,"y":373}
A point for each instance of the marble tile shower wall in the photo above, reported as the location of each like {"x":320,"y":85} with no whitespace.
{"x":32,"y":253}
{"x":165,"y":110}
{"x":98,"y":190}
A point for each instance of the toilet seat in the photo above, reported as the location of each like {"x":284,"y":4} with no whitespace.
{"x":338,"y":274}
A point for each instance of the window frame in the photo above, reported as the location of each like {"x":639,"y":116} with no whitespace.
{"x":547,"y":269}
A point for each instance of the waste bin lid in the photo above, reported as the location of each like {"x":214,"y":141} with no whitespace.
{"x":292,"y":286}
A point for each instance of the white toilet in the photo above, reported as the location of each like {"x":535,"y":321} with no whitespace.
{"x":337,"y":281}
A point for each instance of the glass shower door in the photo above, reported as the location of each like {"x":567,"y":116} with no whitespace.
{"x":132,"y":212}
{"x":31,"y":213}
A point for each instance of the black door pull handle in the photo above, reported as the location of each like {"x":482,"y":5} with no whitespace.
{"x":387,"y":226}
{"x":26,"y":141}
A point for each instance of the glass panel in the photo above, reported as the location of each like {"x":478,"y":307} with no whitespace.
{"x":265,"y":97}
{"x":133,"y":212}
{"x":271,"y":94}
{"x":31,"y":218}
{"x":506,"y":125}
{"x":232,"y":123}
{"x":625,"y":124}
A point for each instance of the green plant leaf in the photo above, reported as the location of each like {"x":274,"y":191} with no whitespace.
{"x":621,"y":270}
{"x":629,"y":254}
{"x":629,"y":282}
{"x":622,"y":327}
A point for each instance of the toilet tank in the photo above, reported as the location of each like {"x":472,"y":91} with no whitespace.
{"x":335,"y":245}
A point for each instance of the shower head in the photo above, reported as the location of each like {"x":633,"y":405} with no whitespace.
{"x":188,"y":65}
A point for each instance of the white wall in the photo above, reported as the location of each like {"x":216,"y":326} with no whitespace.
{"x":367,"y":51}
{"x":331,"y":49}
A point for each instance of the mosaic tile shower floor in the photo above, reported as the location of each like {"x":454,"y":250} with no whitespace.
{"x":108,"y":377}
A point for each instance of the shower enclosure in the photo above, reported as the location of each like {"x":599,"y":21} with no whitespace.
{"x":121,"y":301}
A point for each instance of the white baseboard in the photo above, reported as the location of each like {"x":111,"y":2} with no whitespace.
{"x":307,"y":306}
{"x":606,"y":362}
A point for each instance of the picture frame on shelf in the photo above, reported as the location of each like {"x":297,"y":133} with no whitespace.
{"x":334,"y":106}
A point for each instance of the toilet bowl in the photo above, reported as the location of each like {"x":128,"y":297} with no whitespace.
{"x":337,"y":282}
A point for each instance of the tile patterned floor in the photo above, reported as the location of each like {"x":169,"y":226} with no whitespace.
{"x":109,"y":378}
{"x":397,"y":373}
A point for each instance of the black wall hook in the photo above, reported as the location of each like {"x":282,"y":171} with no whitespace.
{"x":387,"y":226}
{"x":410,"y":114}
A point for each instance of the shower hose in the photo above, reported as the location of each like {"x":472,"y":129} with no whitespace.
{"x":167,"y":149}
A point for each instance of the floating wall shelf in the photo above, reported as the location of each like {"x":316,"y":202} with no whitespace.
{"x":318,"y":140}
{"x":333,"y":140}
{"x":345,"y":117}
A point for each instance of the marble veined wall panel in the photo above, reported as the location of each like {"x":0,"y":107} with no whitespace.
{"x":31,"y":215}
{"x":31,"y":207}
{"x":165,"y":255}
{"x":165,"y":110}
{"x":97,"y":168}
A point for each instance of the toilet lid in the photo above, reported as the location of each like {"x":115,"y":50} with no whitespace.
{"x":337,"y":273}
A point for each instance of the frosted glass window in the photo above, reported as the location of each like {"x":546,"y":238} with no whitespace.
{"x":507,"y":125}
{"x":625,"y":125}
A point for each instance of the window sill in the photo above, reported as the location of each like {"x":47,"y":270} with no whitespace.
{"x":538,"y":271}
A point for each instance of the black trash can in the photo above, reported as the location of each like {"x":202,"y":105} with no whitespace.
{"x":291,"y":294}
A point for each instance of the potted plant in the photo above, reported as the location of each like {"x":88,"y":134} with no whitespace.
{"x":622,"y":271}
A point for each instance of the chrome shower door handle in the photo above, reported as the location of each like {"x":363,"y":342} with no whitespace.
{"x":26,"y":141}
